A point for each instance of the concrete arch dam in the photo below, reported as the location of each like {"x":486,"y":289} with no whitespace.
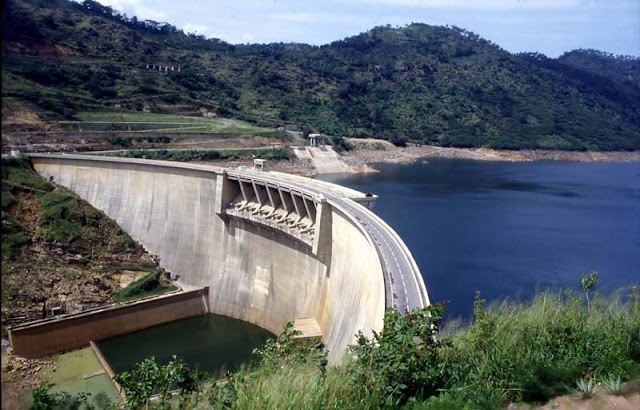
{"x":272,"y":247}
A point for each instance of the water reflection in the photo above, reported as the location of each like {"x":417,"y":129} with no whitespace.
{"x":211,"y":343}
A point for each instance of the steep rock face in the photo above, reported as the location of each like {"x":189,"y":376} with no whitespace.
{"x":59,"y":254}
{"x":437,"y":85}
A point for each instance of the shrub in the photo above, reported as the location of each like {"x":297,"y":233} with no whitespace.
{"x":340,"y":144}
{"x":402,"y":360}
{"x":148,"y":285}
{"x":43,"y":400}
{"x":120,"y":141}
{"x":446,"y":401}
{"x":208,"y":155}
{"x":17,"y":172}
{"x":537,"y":350}
{"x":61,"y":217}
{"x":12,"y":244}
{"x":149,"y":377}
{"x":8,"y":200}
{"x":614,"y":384}
{"x":286,"y":349}
{"x":586,"y":387}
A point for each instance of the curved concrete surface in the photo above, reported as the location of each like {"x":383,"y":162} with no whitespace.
{"x":271,"y":247}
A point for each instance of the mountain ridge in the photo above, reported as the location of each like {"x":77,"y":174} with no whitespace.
{"x":429,"y":84}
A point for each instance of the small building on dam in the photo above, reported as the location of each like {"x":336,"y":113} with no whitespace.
{"x":270,"y":247}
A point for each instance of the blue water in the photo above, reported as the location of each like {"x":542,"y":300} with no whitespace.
{"x":509,"y":229}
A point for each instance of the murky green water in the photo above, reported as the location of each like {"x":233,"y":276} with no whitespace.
{"x":211,"y":343}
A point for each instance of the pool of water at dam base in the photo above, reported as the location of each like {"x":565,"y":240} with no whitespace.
{"x":508,"y":229}
{"x":212,"y":343}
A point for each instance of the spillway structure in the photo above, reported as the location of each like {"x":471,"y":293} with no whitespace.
{"x":271,"y":247}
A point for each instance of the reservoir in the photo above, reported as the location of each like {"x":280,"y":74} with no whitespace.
{"x":508,"y":229}
{"x":212,"y":343}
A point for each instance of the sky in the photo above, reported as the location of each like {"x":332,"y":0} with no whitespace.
{"x":550,"y":27}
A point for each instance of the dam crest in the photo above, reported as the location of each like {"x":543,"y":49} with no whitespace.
{"x":271,"y":247}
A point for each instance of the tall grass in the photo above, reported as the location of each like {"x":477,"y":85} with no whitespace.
{"x":17,"y":173}
{"x":63,"y":216}
{"x":512,"y":352}
{"x":537,"y":350}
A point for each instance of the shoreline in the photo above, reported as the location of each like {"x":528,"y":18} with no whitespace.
{"x":362,"y":159}
{"x":368,"y":152}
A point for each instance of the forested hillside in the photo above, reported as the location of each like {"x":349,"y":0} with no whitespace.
{"x":435,"y":85}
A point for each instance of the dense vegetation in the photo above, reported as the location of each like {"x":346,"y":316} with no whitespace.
{"x":62,"y":215}
{"x":153,"y":284}
{"x":272,"y":154}
{"x":529,"y":352}
{"x":57,"y":250}
{"x":435,"y":85}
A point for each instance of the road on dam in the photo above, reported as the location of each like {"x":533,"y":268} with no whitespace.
{"x":272,"y":247}
{"x":404,"y":287}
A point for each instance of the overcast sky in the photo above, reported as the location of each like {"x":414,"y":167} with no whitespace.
{"x":547,"y":26}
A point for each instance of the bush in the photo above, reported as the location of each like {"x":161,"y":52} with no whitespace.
{"x":340,"y":144}
{"x":446,"y":401}
{"x":286,"y":350}
{"x":8,"y":200}
{"x":538,"y":350}
{"x":148,"y":285}
{"x":43,"y":400}
{"x":274,"y":154}
{"x":402,"y":361}
{"x":120,"y":141}
{"x":149,"y":377}
{"x":399,"y":141}
{"x":17,"y":172}
{"x":61,"y":217}
{"x":512,"y":352}
{"x":12,"y":245}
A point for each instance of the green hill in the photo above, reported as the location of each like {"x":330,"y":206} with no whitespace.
{"x":435,"y":85}
{"x":58,"y":252}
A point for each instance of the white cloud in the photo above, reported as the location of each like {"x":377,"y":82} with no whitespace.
{"x":138,"y":8}
{"x":514,"y":24}
{"x":492,"y":4}
{"x":247,"y":38}
{"x":195,"y":28}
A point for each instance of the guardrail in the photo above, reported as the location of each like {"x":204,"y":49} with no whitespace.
{"x":415,"y":292}
{"x":415,"y":271}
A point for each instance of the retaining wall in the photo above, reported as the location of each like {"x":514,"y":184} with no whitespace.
{"x":49,"y":336}
{"x":255,"y":273}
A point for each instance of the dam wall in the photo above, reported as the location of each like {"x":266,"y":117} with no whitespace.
{"x":257,"y":268}
{"x":49,"y":336}
{"x":354,"y":297}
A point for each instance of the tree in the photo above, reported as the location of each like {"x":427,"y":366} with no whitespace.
{"x":148,"y":377}
{"x":402,"y":361}
{"x":587,"y":282}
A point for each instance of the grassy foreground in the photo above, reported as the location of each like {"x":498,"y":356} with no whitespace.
{"x":512,"y":352}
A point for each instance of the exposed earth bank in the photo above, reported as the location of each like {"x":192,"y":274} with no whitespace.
{"x":368,"y":152}
{"x":371,"y":151}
